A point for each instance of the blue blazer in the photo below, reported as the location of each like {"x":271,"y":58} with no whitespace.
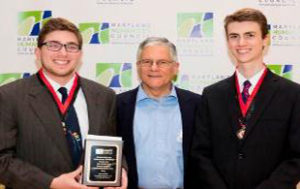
{"x":188,"y":101}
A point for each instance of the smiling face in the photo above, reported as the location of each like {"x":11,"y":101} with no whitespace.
{"x":59,"y":65}
{"x":245,"y":42}
{"x":155,"y":79}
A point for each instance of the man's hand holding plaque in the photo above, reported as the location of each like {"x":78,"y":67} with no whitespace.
{"x":102,"y":161}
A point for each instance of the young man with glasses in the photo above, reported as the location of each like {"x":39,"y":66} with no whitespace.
{"x":156,"y":120}
{"x":248,"y":130}
{"x":45,"y":118}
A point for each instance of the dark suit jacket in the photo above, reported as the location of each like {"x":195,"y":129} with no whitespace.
{"x":33,"y":148}
{"x":269,"y":155}
{"x":126,"y":102}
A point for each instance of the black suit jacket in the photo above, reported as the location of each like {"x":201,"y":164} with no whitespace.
{"x":188,"y":102}
{"x":269,"y":155}
{"x":33,"y":148}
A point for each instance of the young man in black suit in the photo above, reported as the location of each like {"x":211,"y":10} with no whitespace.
{"x":248,"y":130}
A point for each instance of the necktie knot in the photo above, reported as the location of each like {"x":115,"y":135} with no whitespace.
{"x":245,"y":92}
{"x":247,"y":84}
{"x":64,"y":93}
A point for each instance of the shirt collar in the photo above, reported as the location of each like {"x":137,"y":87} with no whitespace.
{"x":142,"y":95}
{"x":253,"y":80}
{"x":56,"y":86}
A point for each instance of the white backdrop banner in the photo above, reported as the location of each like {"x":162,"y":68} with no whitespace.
{"x":112,"y":30}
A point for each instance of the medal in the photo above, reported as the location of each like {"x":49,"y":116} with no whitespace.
{"x":244,"y":106}
{"x":241,"y":132}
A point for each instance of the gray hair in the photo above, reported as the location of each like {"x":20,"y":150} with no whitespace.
{"x":161,"y":41}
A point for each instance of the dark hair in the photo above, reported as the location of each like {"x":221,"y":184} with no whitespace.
{"x":248,"y":14}
{"x":58,"y":24}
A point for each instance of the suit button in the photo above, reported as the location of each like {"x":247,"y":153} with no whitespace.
{"x":241,"y":156}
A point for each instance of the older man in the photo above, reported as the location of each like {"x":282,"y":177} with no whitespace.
{"x":156,"y":120}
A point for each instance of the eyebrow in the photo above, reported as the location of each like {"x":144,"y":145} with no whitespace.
{"x":249,"y":32}
{"x":54,"y":41}
{"x":233,"y":34}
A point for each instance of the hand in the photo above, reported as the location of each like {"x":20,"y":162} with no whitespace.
{"x":124,"y":181}
{"x":69,"y":181}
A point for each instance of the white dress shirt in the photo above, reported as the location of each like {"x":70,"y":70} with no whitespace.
{"x":253,"y":80}
{"x":80,"y":105}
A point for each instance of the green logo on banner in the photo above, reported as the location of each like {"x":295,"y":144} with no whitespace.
{"x":30,"y":22}
{"x":282,"y":70}
{"x":95,"y":33}
{"x":114,"y":74}
{"x":10,"y":77}
{"x":195,"y":25}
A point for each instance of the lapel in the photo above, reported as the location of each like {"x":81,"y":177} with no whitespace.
{"x":91,"y":97}
{"x":46,"y":110}
{"x":263,"y":98}
{"x":125,"y":114}
{"x":128,"y":105}
{"x":233,"y":106}
{"x":187,"y":116}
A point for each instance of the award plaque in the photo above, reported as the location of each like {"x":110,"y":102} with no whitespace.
{"x":102,"y":161}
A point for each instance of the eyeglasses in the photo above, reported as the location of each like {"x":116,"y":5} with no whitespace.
{"x":159,"y":63}
{"x":56,"y":46}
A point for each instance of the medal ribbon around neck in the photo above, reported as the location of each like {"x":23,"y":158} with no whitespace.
{"x":245,"y":106}
{"x":62,"y":107}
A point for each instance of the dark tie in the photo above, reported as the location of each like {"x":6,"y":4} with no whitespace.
{"x":245,"y":92}
{"x":72,"y":130}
